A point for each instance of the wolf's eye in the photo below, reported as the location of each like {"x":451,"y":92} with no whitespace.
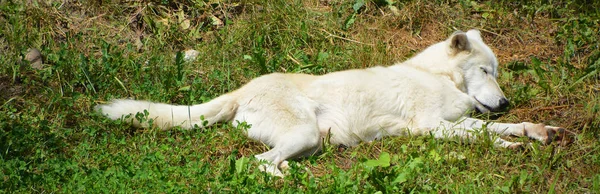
{"x":484,"y":71}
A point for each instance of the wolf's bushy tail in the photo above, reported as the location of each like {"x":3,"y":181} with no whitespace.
{"x":220,"y":109}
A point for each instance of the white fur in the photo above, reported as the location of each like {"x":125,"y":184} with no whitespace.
{"x":431,"y":93}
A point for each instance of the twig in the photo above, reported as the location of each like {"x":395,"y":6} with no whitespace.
{"x":552,"y":107}
{"x":494,"y":33}
{"x":294,"y":60}
{"x":347,"y":39}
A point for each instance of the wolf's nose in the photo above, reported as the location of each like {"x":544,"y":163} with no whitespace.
{"x":503,"y":103}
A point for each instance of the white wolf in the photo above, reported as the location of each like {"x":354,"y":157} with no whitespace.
{"x":431,"y":93}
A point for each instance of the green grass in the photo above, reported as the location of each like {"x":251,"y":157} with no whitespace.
{"x":52,"y":141}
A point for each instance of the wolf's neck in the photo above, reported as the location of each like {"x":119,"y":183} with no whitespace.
{"x":438,"y":68}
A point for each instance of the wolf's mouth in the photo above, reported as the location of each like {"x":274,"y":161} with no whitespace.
{"x":486,"y":107}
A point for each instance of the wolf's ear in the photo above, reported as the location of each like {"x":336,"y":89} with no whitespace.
{"x":459,"y":42}
{"x":475,"y":34}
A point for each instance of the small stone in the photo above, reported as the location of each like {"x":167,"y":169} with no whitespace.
{"x":190,"y":55}
{"x":34,"y":56}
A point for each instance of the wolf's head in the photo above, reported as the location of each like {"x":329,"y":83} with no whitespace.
{"x":470,"y":64}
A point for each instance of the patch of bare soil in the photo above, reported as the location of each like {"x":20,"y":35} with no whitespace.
{"x":10,"y":88}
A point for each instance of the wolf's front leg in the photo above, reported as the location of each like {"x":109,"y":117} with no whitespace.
{"x":447,"y":129}
{"x":541,"y":132}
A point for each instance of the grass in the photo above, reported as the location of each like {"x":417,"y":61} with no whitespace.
{"x":52,"y":141}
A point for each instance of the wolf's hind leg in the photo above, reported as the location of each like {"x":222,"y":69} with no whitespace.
{"x":297,"y":142}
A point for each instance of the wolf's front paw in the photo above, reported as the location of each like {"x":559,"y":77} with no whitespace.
{"x":557,"y":134}
{"x":546,"y":133}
